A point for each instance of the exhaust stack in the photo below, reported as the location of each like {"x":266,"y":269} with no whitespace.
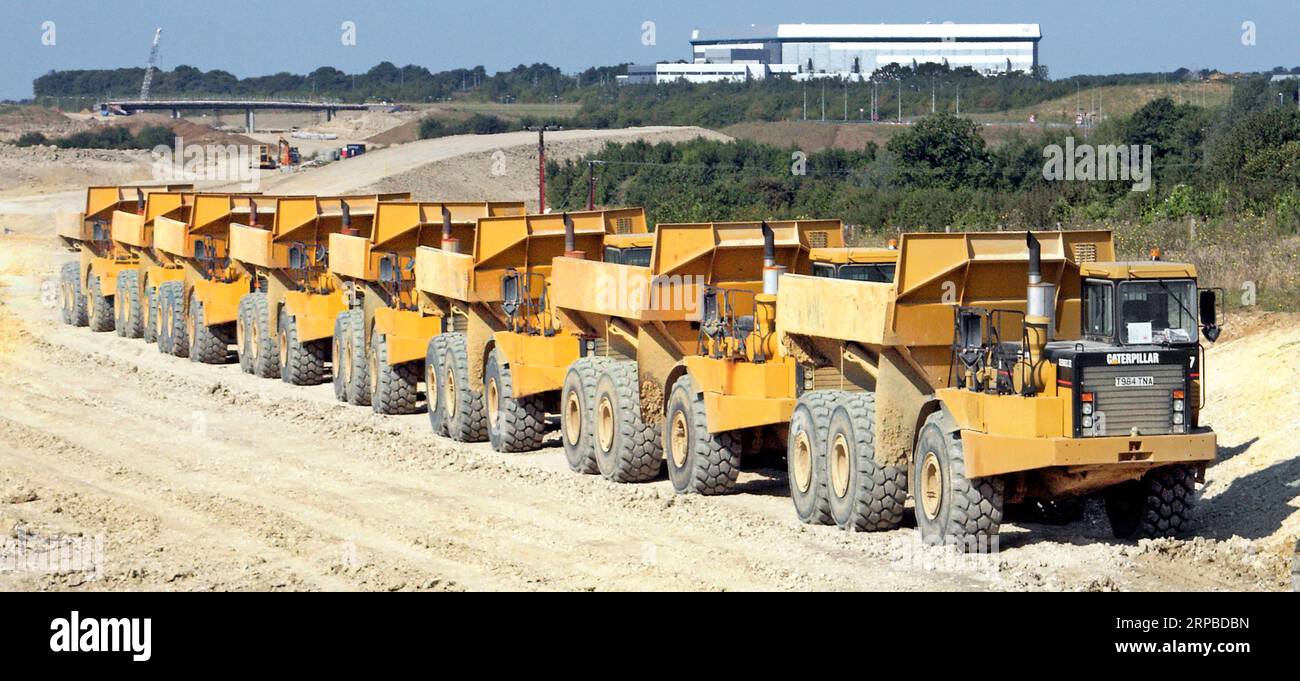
{"x":1040,"y":322}
{"x":449,"y":243}
{"x":139,"y":201}
{"x":347,"y":220}
{"x":571,"y":240}
{"x":771,"y":271}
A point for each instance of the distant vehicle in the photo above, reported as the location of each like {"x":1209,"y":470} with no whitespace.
{"x":356,"y":150}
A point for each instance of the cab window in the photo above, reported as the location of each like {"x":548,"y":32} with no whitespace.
{"x":823,"y":270}
{"x":877,"y":273}
{"x":1099,"y":309}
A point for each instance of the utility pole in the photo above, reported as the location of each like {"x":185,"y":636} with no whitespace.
{"x":591,"y":185}
{"x":958,"y":99}
{"x":805,"y":101}
{"x":541,"y":164}
{"x":900,"y":102}
{"x":846,"y":100}
{"x":823,"y":102}
{"x":932,"y":95}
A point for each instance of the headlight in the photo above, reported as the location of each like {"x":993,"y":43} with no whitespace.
{"x":1178,"y":419}
{"x":1087,"y":407}
{"x":1087,"y":422}
{"x":1178,"y":405}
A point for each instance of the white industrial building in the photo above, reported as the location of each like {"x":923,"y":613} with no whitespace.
{"x":847,"y":50}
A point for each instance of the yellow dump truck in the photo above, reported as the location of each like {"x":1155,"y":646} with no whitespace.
{"x":997,"y":369}
{"x":497,"y":366}
{"x":285,"y":327}
{"x":384,"y":335}
{"x":198,"y":313}
{"x":88,"y":287}
{"x":681,"y":350}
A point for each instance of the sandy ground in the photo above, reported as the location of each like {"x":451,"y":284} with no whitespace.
{"x":164,"y":474}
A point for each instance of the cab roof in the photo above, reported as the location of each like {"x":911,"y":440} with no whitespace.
{"x":634,"y":240}
{"x":1149,"y":269}
{"x":858,"y":255}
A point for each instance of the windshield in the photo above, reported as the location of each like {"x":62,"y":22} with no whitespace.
{"x":1157,"y":312}
{"x":883,"y":274}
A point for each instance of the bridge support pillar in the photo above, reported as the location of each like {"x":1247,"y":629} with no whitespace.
{"x":176,"y":113}
{"x":329,"y":115}
{"x":249,"y":120}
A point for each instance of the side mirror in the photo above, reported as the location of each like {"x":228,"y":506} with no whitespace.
{"x":1210,"y":316}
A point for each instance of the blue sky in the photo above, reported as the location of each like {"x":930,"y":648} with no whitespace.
{"x":267,"y":36}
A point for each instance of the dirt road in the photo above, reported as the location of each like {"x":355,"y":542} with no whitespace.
{"x":191,"y":477}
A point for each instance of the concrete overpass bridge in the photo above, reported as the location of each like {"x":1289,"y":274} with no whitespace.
{"x":176,"y":106}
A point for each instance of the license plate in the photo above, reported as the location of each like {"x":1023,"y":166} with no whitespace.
{"x":1135,"y":381}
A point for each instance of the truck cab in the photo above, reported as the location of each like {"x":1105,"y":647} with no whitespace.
{"x":1135,"y":370}
{"x":856,"y":264}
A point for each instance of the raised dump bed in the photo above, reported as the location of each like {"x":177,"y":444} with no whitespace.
{"x":498,"y":365}
{"x":88,"y":288}
{"x":682,"y":351}
{"x":998,"y":369}
{"x":286,"y":324}
{"x":385,"y":332}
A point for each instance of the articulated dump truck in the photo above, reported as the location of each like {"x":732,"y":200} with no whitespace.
{"x":998,"y":369}
{"x":498,"y":362}
{"x":679,"y":351}
{"x":383,"y":335}
{"x":88,"y":289}
{"x":199,"y":311}
{"x":285,"y":326}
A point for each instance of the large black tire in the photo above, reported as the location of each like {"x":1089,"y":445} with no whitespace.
{"x":262,"y":343}
{"x":72,"y":299}
{"x":699,"y":462}
{"x":128,"y":315}
{"x":100,"y":307}
{"x":338,"y":350}
{"x":393,"y":389}
{"x":152,"y":315}
{"x":627,"y":450}
{"x":244,"y":339}
{"x":300,"y":363}
{"x":460,"y":406}
{"x":171,"y":338}
{"x":952,"y":509}
{"x":515,"y":424}
{"x":435,"y":384}
{"x":806,"y":457}
{"x":865,"y":496}
{"x":1158,"y":505}
{"x":207,"y":345}
{"x":578,"y":414}
{"x":356,"y":370}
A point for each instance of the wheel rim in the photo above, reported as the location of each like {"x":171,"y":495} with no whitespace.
{"x":254,"y":342}
{"x":605,"y":432}
{"x":840,"y":465}
{"x":240,"y":335}
{"x":931,"y":485}
{"x":573,"y":418}
{"x":492,"y":396}
{"x":284,"y":347}
{"x":65,"y":298}
{"x":190,"y":323}
{"x":431,"y":386}
{"x":801,"y":462}
{"x":679,"y":439}
{"x":450,"y":397}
